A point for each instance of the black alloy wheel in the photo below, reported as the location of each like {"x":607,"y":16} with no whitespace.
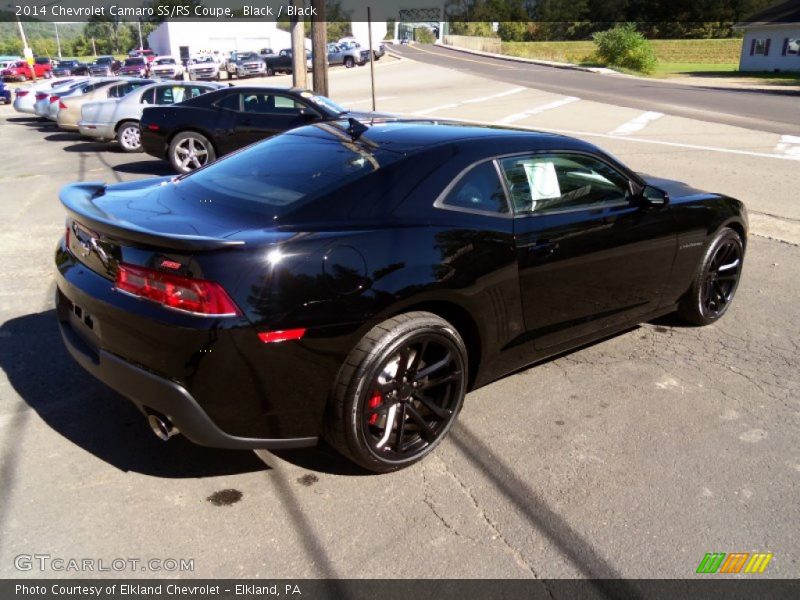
{"x":399,"y":392}
{"x":715,"y":284}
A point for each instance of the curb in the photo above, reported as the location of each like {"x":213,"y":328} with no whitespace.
{"x":532,"y":61}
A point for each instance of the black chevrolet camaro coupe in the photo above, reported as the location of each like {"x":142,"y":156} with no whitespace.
{"x":197,"y":131}
{"x":354,"y":281}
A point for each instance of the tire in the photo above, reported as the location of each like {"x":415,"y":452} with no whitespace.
{"x":349,"y":63}
{"x":385,"y":416}
{"x":714,"y":285}
{"x":129,"y":137}
{"x":270,"y":72}
{"x":190,"y":150}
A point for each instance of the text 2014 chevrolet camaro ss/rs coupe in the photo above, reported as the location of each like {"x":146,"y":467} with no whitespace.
{"x":354,"y":281}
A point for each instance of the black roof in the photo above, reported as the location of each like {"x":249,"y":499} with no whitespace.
{"x":782,"y":12}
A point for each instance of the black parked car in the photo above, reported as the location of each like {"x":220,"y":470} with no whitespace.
{"x":355,"y":282}
{"x":197,"y":131}
{"x":69,"y":67}
{"x":104,"y":66}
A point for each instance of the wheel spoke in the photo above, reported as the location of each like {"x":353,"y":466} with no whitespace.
{"x":729,"y":266}
{"x":401,"y":429}
{"x":402,"y":364}
{"x":444,"y":379}
{"x":425,"y":429}
{"x":387,"y":432}
{"x":414,"y":366}
{"x":437,"y":410}
{"x":431,"y":369}
{"x":381,"y":408}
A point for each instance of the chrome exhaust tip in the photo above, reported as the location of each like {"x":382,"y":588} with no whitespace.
{"x":161,"y":426}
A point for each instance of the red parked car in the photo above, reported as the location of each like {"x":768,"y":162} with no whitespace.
{"x":21,"y":71}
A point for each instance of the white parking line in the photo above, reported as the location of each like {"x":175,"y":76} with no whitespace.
{"x":637,"y":124}
{"x":539,"y":109}
{"x":790,"y":145}
{"x":428,"y":111}
{"x":493,"y":96}
{"x":671,"y":144}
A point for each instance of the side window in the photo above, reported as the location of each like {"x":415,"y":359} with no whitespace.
{"x":148,"y":97}
{"x":231,"y":102}
{"x":192,"y":92}
{"x":479,"y":189}
{"x":258,"y":103}
{"x":167,"y":95}
{"x":558,"y":182}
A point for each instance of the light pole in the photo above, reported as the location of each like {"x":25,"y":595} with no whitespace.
{"x":141,"y":44}
{"x":58,"y":40}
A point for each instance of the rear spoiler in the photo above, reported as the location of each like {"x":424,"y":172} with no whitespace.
{"x":78,"y":199}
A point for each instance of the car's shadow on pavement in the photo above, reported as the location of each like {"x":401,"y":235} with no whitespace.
{"x":93,"y":147}
{"x":64,"y":136}
{"x":157,"y":168}
{"x":94,"y":417}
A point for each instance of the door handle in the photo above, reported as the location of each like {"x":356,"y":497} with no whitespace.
{"x":543,"y":248}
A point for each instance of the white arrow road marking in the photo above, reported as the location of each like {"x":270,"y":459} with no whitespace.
{"x":537,"y":110}
{"x":637,"y":124}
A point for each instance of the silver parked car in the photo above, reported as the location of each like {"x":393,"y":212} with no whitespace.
{"x":119,"y":119}
{"x":25,"y":97}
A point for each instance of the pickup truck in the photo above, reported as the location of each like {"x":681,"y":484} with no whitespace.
{"x":349,"y":56}
{"x":282,"y":63}
{"x":203,"y":67}
{"x":21,"y":71}
{"x":245,"y":64}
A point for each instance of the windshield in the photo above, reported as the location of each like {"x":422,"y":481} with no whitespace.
{"x":326,"y":103}
{"x":68,"y":63}
{"x":134,"y":62}
{"x":165,"y":61}
{"x":202,"y":59}
{"x":270,"y":176}
{"x":248,"y":56}
{"x":104,"y":59}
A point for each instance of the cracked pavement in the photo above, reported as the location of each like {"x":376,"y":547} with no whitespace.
{"x":665,"y":440}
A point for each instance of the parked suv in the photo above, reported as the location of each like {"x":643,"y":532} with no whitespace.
{"x":166,"y":67}
{"x":104,"y":66}
{"x":245,"y":64}
{"x":203,"y":67}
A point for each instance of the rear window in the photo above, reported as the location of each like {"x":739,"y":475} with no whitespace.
{"x":273,"y":175}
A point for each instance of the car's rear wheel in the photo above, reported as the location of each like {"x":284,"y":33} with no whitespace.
{"x":349,"y":62}
{"x":190,"y":150}
{"x":270,"y":72}
{"x":715,"y":283}
{"x":399,"y":392}
{"x":129,"y":137}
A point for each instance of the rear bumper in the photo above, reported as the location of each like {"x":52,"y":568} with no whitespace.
{"x":151,"y":393}
{"x":102,"y":131}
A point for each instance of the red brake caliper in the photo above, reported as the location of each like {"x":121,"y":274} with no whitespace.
{"x":374,"y":402}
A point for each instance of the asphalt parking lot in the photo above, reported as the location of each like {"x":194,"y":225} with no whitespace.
{"x":665,"y":441}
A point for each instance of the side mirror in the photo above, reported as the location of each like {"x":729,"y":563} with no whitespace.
{"x":654,"y":196}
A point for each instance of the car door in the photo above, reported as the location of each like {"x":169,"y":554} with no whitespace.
{"x":592,"y":253}
{"x":266,"y":114}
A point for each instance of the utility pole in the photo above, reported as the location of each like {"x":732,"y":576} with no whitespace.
{"x":58,"y":40}
{"x":371,"y":57}
{"x":26,"y":50}
{"x":319,"y":47}
{"x":141,"y":43}
{"x":94,"y":48}
{"x":299,"y":75}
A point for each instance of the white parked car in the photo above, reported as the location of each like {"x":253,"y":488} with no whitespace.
{"x":25,"y":97}
{"x":166,"y":67}
{"x":203,"y":67}
{"x":44,"y":98}
{"x":119,"y":119}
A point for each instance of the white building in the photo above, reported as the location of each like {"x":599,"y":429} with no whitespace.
{"x":772,"y":39}
{"x":182,"y":38}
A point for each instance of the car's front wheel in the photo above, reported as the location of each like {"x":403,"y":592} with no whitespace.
{"x":398,"y":392}
{"x":349,"y":63}
{"x":129,"y":137}
{"x":190,"y":150}
{"x":717,"y":278}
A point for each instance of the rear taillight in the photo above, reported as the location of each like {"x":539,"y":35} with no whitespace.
{"x":196,"y":296}
{"x":40,"y":96}
{"x":53,"y":99}
{"x":153,"y":127}
{"x":61,"y":105}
